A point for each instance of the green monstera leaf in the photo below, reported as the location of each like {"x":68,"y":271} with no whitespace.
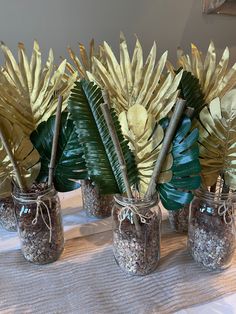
{"x":70,"y":165}
{"x":99,"y":151}
{"x":186,"y":167}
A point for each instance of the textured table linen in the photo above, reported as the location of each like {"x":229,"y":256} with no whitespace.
{"x":87,"y":280}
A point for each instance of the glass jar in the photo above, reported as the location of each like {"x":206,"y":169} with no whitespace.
{"x":39,"y":225}
{"x":179,"y":219}
{"x":7,"y":214}
{"x":94,"y":203}
{"x":211,"y":234}
{"x":136,"y":246}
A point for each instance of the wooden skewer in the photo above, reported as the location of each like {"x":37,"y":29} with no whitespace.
{"x":16,"y":168}
{"x":120,"y":156}
{"x":55,"y":142}
{"x":170,"y":132}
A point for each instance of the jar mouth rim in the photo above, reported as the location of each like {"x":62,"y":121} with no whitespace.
{"x":47,"y":190}
{"x":150,"y":201}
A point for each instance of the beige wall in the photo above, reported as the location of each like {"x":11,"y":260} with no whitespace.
{"x":57,"y":23}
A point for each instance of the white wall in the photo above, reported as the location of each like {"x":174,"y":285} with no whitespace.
{"x":58,"y":23}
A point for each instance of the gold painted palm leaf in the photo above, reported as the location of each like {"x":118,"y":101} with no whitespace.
{"x":142,"y":95}
{"x":217,"y":128}
{"x":31,"y":87}
{"x":145,"y":139}
{"x":24,"y":153}
{"x":131,"y":81}
{"x":84,"y":62}
{"x":215,"y":78}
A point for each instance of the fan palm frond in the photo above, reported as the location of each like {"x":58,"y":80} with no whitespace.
{"x":131,"y":82}
{"x":215,"y":78}
{"x":27,"y":89}
{"x":84,"y":62}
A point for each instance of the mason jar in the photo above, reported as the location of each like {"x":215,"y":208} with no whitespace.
{"x":136,"y":234}
{"x":95,"y":204}
{"x":211,"y":234}
{"x":39,"y":225}
{"x":179,"y":219}
{"x":7,"y":214}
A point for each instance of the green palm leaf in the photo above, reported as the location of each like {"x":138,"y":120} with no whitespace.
{"x":191,"y":91}
{"x":186,"y":167}
{"x":70,"y":165}
{"x":217,"y":128}
{"x":100,"y":155}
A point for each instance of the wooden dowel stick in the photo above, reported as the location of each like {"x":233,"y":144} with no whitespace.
{"x":174,"y":121}
{"x":55,"y":142}
{"x":115,"y":140}
{"x":7,"y":147}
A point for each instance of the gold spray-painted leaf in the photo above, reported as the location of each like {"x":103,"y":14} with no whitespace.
{"x":215,"y":79}
{"x":24,"y":153}
{"x":217,"y":128}
{"x":32,"y":87}
{"x":145,"y":137}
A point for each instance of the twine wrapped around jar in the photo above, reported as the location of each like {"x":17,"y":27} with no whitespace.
{"x":39,"y":224}
{"x":137,"y":252}
{"x":39,"y":201}
{"x":211,"y":235}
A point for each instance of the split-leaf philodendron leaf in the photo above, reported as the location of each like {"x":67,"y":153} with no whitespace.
{"x":70,"y":165}
{"x":99,"y":151}
{"x":186,"y":167}
{"x":217,"y":129}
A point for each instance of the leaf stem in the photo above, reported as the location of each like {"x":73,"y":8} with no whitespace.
{"x":170,"y":132}
{"x":55,"y":142}
{"x":16,"y":168}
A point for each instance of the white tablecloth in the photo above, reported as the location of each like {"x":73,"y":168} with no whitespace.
{"x":77,"y":224}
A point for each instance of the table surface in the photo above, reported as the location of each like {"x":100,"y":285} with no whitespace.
{"x":87,"y":280}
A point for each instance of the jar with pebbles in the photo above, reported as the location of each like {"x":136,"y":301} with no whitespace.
{"x":136,"y":244}
{"x":39,"y":224}
{"x":95,"y":204}
{"x":7,"y":214}
{"x":179,"y":219}
{"x":211,"y":234}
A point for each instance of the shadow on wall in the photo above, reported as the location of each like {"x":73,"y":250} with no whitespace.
{"x":218,"y":28}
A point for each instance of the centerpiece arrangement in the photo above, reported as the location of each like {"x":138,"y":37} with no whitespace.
{"x":28,"y":97}
{"x":26,"y":100}
{"x":203,"y":80}
{"x":95,"y":203}
{"x":211,"y":227}
{"x":139,"y":144}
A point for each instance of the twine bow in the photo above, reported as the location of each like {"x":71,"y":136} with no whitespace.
{"x":226,"y":209}
{"x":39,"y":210}
{"x":127,"y":211}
